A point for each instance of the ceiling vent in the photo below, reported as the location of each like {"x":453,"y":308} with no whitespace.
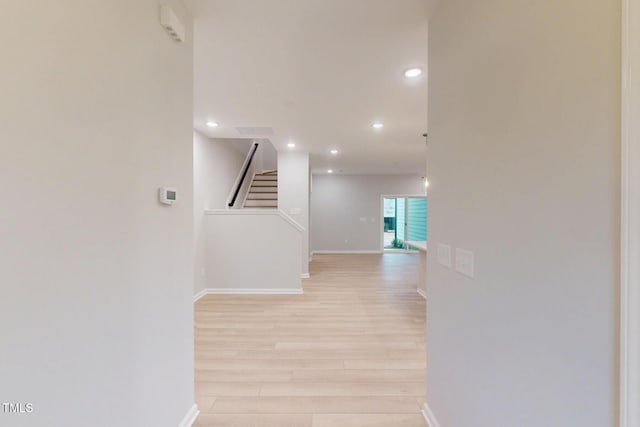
{"x":172,"y":24}
{"x":254,"y":130}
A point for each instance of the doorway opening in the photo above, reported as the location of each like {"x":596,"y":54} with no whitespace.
{"x":404,"y":222}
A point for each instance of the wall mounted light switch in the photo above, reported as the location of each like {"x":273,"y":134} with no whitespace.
{"x":464,"y":262}
{"x":444,"y":255}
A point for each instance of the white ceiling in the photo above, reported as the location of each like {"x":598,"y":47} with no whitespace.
{"x":319,"y":72}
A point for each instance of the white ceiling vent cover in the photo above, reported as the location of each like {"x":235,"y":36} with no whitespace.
{"x":254,"y":130}
{"x":172,"y":24}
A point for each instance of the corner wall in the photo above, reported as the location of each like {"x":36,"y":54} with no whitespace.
{"x":524,"y":166}
{"x":96,"y":301}
{"x":293,"y":195}
{"x":216,"y":165}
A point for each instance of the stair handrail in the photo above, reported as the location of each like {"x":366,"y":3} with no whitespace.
{"x":243,"y":174}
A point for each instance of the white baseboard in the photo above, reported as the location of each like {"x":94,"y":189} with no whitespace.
{"x":191,"y":417}
{"x":305,"y":275}
{"x":344,"y":252}
{"x":234,"y":291}
{"x":199,"y":295}
{"x":422,"y":294}
{"x":429,"y":417}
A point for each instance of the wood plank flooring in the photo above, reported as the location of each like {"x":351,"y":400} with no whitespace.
{"x":350,"y":352}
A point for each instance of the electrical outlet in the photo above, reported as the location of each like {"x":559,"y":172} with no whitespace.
{"x":464,"y":262}
{"x":444,"y":255}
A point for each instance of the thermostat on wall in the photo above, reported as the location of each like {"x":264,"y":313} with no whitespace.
{"x":167,"y":195}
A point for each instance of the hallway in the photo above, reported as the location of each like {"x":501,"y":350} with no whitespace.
{"x":349,"y":352}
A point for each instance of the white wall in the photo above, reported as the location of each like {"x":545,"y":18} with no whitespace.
{"x":630,"y":287}
{"x":97,"y":276}
{"x":251,"y":251}
{"x":216,"y":165}
{"x":346,"y":209}
{"x":293,"y":195}
{"x":524,"y":170}
{"x":267,"y":157}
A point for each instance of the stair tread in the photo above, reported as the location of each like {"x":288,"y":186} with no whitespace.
{"x":263,"y":191}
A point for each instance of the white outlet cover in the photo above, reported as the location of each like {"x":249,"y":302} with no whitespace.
{"x":444,"y":255}
{"x":464,"y":262}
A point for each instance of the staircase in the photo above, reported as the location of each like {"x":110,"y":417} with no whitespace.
{"x":263,"y":193}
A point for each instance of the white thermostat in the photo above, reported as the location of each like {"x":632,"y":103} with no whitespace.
{"x":167,"y":195}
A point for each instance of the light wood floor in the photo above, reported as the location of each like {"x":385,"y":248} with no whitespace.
{"x":349,"y":352}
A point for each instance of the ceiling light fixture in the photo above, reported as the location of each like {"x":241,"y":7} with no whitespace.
{"x":377,"y":125}
{"x":212,"y":124}
{"x":291,"y":145}
{"x":334,"y":152}
{"x":412,"y":73}
{"x":330,"y":171}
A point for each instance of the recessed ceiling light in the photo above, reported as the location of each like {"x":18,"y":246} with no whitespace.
{"x":377,"y":125}
{"x":413,"y":73}
{"x":212,"y":124}
{"x":291,"y":145}
{"x":330,"y":171}
{"x":334,"y":152}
